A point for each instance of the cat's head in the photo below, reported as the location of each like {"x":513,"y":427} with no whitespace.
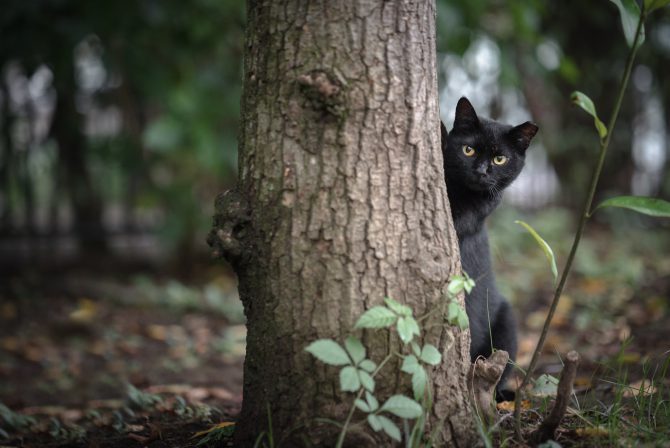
{"x":481,"y":154}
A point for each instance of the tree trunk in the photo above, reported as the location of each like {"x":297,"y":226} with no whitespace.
{"x":341,"y":201}
{"x":6,"y":158}
{"x":66,"y":130}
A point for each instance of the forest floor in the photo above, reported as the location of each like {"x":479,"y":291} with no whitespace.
{"x":121,"y":359}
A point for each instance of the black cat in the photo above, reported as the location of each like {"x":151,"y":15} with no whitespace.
{"x":481,"y":158}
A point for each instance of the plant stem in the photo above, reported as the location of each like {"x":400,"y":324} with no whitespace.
{"x":343,"y":433}
{"x":586,"y":212}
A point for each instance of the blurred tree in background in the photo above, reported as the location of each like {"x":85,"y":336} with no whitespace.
{"x":117,"y":117}
{"x":118,"y":121}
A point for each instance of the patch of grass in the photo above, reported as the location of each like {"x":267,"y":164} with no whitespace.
{"x":13,"y":421}
{"x":212,"y":297}
{"x":65,"y":434}
{"x":615,"y":412}
{"x":637,"y":412}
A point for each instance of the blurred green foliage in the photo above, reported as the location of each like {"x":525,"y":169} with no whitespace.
{"x":173,"y":72}
{"x":621,"y":264}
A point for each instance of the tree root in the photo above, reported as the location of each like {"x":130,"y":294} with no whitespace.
{"x":484,"y":376}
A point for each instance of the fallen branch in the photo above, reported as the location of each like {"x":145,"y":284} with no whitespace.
{"x":548,"y":427}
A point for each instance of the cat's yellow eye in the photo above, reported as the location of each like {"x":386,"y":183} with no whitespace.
{"x":500,"y":160}
{"x":468,"y":150}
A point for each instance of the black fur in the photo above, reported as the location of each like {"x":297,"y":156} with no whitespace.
{"x":475,"y":185}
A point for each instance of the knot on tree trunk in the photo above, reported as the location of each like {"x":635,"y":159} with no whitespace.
{"x":228,"y":236}
{"x":324,"y":91}
{"x":484,"y":376}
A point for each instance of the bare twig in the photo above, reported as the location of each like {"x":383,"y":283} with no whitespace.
{"x":548,"y":427}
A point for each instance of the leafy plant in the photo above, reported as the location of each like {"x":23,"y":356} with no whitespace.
{"x":13,"y":420}
{"x":632,"y":18}
{"x":141,"y":400}
{"x":66,"y":433}
{"x":357,"y":373}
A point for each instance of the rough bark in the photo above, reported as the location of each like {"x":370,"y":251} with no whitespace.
{"x":340,"y":202}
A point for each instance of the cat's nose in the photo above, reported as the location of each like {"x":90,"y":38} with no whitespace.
{"x":482,"y":170}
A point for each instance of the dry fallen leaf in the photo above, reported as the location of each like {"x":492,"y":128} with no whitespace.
{"x":85,"y":312}
{"x":639,"y":388}
{"x":10,"y":344}
{"x":194,"y":394}
{"x":583,"y":382}
{"x":509,"y":405}
{"x":157,"y":332}
{"x":215,"y":427}
{"x":593,"y":286}
{"x":629,"y":358}
{"x":8,"y":311}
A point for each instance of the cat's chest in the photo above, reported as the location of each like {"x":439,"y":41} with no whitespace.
{"x":475,"y":256}
{"x":470,"y":215}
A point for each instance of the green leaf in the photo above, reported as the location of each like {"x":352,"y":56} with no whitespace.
{"x":430,"y":355}
{"x":469,"y":283}
{"x":355,"y":349}
{"x":362,"y":405}
{"x":651,"y":5}
{"x":372,"y":401}
{"x":374,"y":422}
{"x":376,"y":317}
{"x":647,"y":206}
{"x":402,"y":406}
{"x":368,"y":365}
{"x":456,"y":315}
{"x":550,"y":444}
{"x":407,"y":328}
{"x":413,"y":326}
{"x":583,"y":101}
{"x":409,"y":364}
{"x":329,"y":352}
{"x":366,"y":380}
{"x":630,"y":15}
{"x":419,"y":380}
{"x":389,"y":427}
{"x":415,"y":348}
{"x":456,"y":285}
{"x":545,"y":385}
{"x":349,"y":381}
{"x":545,"y":248}
{"x":398,"y":308}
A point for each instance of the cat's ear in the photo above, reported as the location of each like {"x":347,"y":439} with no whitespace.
{"x":522,"y":135}
{"x":466,"y":117}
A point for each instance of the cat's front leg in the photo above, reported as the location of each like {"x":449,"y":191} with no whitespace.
{"x":505,"y":338}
